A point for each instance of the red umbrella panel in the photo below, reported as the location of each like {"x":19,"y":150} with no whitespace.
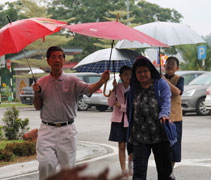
{"x":114,"y":30}
{"x":16,"y":35}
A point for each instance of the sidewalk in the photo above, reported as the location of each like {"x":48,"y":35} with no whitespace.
{"x":85,"y":151}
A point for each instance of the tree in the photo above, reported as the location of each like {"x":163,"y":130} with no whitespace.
{"x":94,"y":10}
{"x":189,"y":53}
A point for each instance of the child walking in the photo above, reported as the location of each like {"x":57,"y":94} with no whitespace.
{"x":119,"y":125}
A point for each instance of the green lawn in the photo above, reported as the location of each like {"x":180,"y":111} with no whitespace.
{"x":5,"y":105}
{"x":3,"y":143}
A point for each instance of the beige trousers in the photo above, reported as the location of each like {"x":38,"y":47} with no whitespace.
{"x":55,"y":146}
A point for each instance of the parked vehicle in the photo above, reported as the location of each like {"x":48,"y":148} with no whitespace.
{"x":189,"y":75}
{"x":88,"y":78}
{"x":27,"y":94}
{"x":98,"y":99}
{"x":194,"y":95}
{"x":208,"y":98}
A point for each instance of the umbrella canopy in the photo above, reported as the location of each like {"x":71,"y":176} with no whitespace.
{"x":114,"y":30}
{"x":168,"y":33}
{"x":16,"y":35}
{"x":98,"y":61}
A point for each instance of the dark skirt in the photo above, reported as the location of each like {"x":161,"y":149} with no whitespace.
{"x":118,"y":132}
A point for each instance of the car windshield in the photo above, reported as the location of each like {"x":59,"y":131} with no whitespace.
{"x":202,"y":80}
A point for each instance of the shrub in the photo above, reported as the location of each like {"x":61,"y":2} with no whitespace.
{"x":11,"y":150}
{"x":14,"y":127}
{"x":31,"y":135}
{"x":1,"y":133}
{"x":6,"y":155}
{"x":26,"y":148}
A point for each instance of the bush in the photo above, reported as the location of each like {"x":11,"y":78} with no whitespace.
{"x":26,"y":148}
{"x":6,"y":155}
{"x":14,"y":127}
{"x":1,"y":132}
{"x":31,"y":135}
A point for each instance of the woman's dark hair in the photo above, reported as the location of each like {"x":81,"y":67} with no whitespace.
{"x":52,"y":49}
{"x":172,"y":58}
{"x":124,"y":68}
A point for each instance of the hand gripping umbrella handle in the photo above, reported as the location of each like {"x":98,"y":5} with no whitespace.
{"x":104,"y":90}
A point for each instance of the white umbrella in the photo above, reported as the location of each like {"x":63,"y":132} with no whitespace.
{"x":36,"y":71}
{"x":168,"y":33}
{"x":99,"y":60}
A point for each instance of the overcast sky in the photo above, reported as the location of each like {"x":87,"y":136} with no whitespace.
{"x":196,"y":13}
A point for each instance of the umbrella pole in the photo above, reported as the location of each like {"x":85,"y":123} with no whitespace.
{"x":29,"y":67}
{"x":159,"y":60}
{"x":109,"y":61}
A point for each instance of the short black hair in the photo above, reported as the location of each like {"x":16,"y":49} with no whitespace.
{"x":174,"y":59}
{"x":124,"y":68}
{"x":52,"y":49}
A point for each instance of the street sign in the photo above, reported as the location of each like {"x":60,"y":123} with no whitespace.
{"x":201,"y":52}
{"x":8,"y":64}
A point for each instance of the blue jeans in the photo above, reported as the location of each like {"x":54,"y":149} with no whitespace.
{"x":162,"y":156}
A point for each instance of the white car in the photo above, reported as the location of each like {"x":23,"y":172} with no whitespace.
{"x":208,"y":99}
{"x":98,"y":99}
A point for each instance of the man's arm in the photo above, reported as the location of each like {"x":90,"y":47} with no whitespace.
{"x":94,"y":87}
{"x":37,"y":97}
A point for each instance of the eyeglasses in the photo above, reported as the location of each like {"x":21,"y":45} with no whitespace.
{"x":59,"y":57}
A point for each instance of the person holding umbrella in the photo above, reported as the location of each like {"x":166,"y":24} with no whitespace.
{"x":119,"y":125}
{"x":148,"y":107}
{"x":176,"y":84}
{"x":56,"y":95}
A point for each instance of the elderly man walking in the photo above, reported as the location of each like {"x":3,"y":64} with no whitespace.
{"x":56,"y":96}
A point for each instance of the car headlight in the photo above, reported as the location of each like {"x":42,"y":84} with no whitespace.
{"x":189,"y":92}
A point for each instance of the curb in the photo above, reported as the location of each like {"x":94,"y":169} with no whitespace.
{"x":86,"y":152}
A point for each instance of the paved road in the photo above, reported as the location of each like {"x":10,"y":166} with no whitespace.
{"x":94,"y":126}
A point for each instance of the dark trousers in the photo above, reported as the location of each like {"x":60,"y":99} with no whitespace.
{"x":162,"y":156}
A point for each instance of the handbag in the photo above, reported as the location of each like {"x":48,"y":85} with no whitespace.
{"x":171,"y":132}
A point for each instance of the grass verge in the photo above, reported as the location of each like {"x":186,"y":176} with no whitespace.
{"x":7,"y":105}
{"x":16,"y":159}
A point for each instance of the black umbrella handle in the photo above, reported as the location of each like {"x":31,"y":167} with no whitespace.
{"x":109,"y":61}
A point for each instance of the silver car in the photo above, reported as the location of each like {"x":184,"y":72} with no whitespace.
{"x":88,"y":78}
{"x":208,"y":98}
{"x":189,"y":75}
{"x":194,"y":95}
{"x":98,"y":99}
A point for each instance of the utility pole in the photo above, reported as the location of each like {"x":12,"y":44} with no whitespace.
{"x":128,"y":13}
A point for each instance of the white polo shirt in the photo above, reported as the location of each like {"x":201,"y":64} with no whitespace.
{"x":60,"y":97}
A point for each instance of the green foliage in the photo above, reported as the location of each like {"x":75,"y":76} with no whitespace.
{"x":14,"y":127}
{"x":25,"y":148}
{"x":1,"y":133}
{"x":92,"y":11}
{"x":4,"y":143}
{"x":6,"y":155}
{"x":191,"y":62}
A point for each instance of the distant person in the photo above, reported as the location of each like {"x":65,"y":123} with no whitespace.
{"x":119,"y":125}
{"x":56,"y":96}
{"x":148,"y":107}
{"x":176,"y":84}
